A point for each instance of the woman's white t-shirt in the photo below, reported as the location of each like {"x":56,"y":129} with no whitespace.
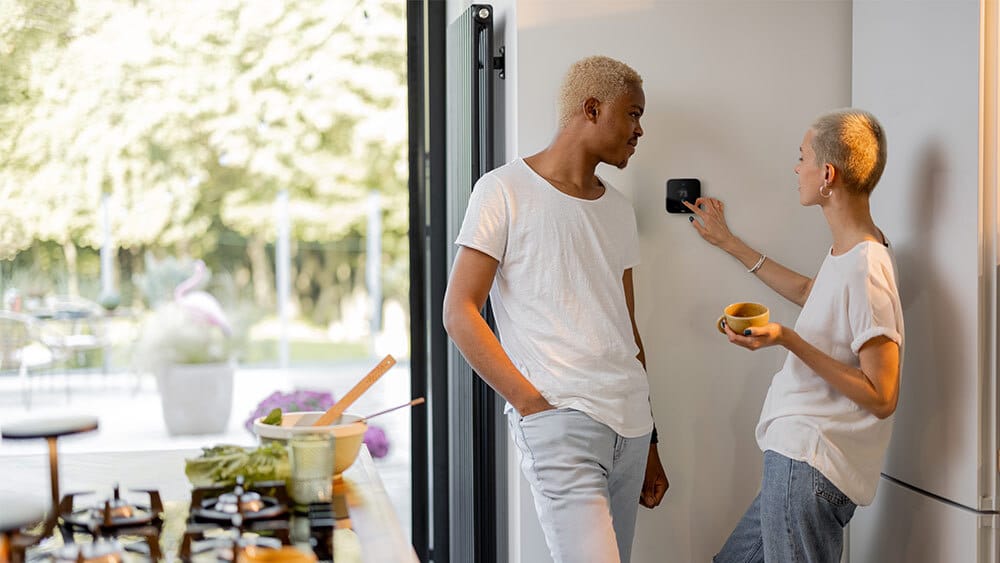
{"x":854,"y":298}
{"x":557,"y":295}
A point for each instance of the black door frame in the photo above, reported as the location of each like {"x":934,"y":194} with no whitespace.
{"x":426,"y":25}
{"x":458,"y":472}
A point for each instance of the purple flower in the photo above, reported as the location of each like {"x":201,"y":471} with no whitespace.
{"x":377,"y":441}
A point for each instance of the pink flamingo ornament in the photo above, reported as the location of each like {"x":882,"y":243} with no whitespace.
{"x":200,"y":303}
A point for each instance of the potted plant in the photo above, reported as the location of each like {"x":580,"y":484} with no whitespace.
{"x":187,"y":343}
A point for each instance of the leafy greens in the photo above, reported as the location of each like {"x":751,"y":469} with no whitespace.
{"x":220,"y":465}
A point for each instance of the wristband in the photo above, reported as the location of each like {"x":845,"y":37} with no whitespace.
{"x":758,"y":264}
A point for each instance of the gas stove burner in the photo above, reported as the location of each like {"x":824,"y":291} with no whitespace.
{"x":114,"y":513}
{"x":227,"y":518}
{"x":101,"y":551}
{"x":224,"y":544}
{"x":221,"y":513}
{"x":220,"y":506}
{"x":239,"y":502}
{"x":113,"y":518}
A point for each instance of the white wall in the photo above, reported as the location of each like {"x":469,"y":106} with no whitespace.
{"x":730,"y":88}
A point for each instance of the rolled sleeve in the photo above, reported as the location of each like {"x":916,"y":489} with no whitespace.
{"x":874,"y":332}
{"x":874,"y":308}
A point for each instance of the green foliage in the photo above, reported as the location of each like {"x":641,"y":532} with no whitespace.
{"x":193,"y":116}
{"x":220,"y":465}
{"x":305,"y":352}
{"x":161,"y":277}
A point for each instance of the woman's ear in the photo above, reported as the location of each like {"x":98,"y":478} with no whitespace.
{"x":591,"y":108}
{"x":829,"y":173}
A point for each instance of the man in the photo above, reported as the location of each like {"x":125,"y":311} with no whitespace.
{"x":557,"y":245}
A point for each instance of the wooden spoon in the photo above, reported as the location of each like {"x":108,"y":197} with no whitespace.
{"x":338,"y":408}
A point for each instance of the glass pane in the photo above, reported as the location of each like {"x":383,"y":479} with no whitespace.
{"x":147,"y":149}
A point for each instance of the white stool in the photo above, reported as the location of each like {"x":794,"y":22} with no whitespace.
{"x":50,"y":429}
{"x":18,"y":511}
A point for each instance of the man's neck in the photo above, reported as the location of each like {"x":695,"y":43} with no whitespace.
{"x":567,"y":168}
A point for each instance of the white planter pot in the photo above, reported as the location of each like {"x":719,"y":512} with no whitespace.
{"x":196,"y":398}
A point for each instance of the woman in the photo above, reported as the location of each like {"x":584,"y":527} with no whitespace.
{"x":826,"y":420}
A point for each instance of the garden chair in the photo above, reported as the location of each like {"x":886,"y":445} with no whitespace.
{"x":74,"y":326}
{"x":21,"y":351}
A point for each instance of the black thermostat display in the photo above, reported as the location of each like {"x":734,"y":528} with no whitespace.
{"x":682,"y":189}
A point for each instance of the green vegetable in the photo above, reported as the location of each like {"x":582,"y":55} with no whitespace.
{"x":273,"y":417}
{"x":220,"y":465}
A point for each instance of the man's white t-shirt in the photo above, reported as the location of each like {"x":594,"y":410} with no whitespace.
{"x":854,"y":299}
{"x":558,"y":297}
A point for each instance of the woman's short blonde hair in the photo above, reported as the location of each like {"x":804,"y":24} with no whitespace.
{"x":853,"y":141}
{"x":602,"y":78}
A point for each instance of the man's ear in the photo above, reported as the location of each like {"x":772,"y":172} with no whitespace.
{"x":591,"y":109}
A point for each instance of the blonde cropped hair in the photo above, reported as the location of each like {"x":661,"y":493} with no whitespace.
{"x":853,"y":141}
{"x":601,"y":78}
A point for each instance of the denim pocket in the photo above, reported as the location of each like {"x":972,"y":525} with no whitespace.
{"x":827,"y":491}
{"x":540,"y":414}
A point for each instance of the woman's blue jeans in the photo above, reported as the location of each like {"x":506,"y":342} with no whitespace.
{"x":798,"y":516}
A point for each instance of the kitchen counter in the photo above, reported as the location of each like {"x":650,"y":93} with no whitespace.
{"x":372,"y":534}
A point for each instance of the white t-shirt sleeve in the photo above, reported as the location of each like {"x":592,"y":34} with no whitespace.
{"x":486,"y":219}
{"x":872,"y":304}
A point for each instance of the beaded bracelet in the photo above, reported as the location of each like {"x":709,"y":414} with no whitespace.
{"x":758,"y":264}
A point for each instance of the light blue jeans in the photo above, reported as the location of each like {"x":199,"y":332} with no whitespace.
{"x":798,"y":516}
{"x":585,"y":480}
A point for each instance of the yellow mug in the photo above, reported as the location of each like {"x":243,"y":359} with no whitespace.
{"x":741,"y":316}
